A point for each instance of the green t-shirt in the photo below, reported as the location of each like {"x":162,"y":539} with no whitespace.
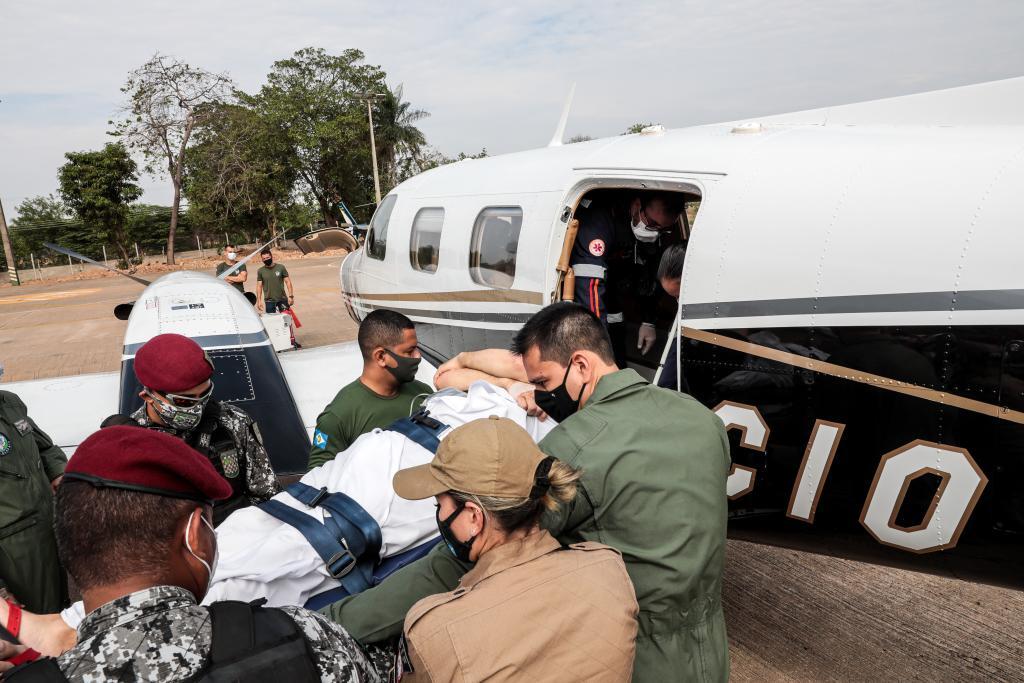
{"x":273,"y":282}
{"x":357,"y":410}
{"x":222,"y":266}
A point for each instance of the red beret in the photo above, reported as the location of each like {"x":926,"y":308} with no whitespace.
{"x":140,"y":459}
{"x":172,"y":362}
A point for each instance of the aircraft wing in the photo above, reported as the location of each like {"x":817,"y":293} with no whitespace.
{"x":69,"y":408}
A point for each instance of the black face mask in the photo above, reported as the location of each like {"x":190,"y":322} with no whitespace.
{"x":268,"y":262}
{"x":558,"y":403}
{"x":405,"y":371}
{"x":460,"y":549}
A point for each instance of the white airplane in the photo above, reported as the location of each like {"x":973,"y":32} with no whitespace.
{"x":851,"y":308}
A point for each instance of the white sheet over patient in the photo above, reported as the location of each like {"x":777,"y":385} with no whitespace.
{"x":263,"y":557}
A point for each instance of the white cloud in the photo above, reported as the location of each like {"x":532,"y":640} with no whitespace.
{"x":494,"y":74}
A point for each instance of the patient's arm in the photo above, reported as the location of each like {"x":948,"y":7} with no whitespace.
{"x":474,"y":366}
{"x":494,"y":362}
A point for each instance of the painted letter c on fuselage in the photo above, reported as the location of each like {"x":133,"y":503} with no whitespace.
{"x":753,"y":434}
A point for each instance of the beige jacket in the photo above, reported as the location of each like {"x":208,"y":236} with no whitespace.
{"x":529,"y":610}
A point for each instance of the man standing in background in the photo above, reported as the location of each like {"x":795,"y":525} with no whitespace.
{"x":230,"y":258}
{"x":274,"y":293}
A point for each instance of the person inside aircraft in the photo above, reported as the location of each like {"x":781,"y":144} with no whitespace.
{"x":262,"y":556}
{"x":615,"y":259}
{"x":670,"y":277}
{"x":133,"y":526}
{"x":175,"y":374}
{"x":492,"y":484}
{"x":386,"y":390}
{"x":660,"y":461}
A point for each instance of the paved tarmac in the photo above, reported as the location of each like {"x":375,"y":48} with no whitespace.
{"x":791,"y":616}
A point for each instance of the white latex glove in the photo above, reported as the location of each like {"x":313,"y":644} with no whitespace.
{"x":645,"y":339}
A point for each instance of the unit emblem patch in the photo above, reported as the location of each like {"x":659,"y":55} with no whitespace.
{"x":596,"y":247}
{"x":5,"y":444}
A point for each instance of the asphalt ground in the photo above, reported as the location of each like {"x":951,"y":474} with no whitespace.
{"x":792,"y":616}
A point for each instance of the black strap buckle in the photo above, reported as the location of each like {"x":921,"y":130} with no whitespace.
{"x":338,"y":557}
{"x":422,"y":417}
{"x":319,"y":497}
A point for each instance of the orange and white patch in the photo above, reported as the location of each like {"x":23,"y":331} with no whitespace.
{"x":596,"y":247}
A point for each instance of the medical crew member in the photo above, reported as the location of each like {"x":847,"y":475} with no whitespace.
{"x":30,"y":469}
{"x":655,"y":464}
{"x":614,"y":260}
{"x":386,"y":390}
{"x":670,"y":277}
{"x":574,"y":610}
{"x":175,"y":374}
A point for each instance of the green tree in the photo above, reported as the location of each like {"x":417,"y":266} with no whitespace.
{"x":167,"y":100}
{"x":98,"y":186}
{"x":40,"y":219}
{"x":240,"y":172}
{"x":578,"y":138}
{"x":313,"y":98}
{"x":399,"y":141}
{"x":636,"y":128}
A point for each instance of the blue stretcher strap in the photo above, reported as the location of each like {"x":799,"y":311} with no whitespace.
{"x":348,"y":541}
{"x":421,"y":428}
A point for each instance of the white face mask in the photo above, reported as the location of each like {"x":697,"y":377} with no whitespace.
{"x":232,"y":256}
{"x":216,"y":552}
{"x":642,"y":232}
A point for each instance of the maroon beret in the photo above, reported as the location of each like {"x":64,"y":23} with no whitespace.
{"x":172,"y":362}
{"x":140,"y":459}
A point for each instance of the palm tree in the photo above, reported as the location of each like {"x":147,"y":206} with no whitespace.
{"x":399,"y":141}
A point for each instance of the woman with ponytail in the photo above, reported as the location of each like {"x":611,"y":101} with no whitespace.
{"x":528,"y":608}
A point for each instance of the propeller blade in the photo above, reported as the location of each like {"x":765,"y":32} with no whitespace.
{"x":80,"y":257}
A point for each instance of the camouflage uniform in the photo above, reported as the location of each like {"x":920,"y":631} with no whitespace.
{"x":161,"y":634}
{"x":231,"y":440}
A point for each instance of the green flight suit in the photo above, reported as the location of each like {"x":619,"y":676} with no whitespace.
{"x":654,"y":465}
{"x":28,"y":549}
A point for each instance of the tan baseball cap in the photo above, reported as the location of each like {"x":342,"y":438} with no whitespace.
{"x":487,"y":457}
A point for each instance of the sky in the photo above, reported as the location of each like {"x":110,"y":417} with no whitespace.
{"x":495,"y":74}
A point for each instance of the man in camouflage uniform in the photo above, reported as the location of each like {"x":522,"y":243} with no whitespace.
{"x":132,"y":527}
{"x":175,"y":373}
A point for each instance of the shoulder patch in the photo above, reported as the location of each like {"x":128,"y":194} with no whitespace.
{"x":23,"y":426}
{"x":596,"y":247}
{"x":319,"y":439}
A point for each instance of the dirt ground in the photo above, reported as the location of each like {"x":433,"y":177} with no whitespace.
{"x":791,"y":616}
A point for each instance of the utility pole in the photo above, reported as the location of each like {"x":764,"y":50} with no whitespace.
{"x":12,"y":268}
{"x":370,"y":98}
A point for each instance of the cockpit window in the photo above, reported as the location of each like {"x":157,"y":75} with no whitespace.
{"x":493,"y":247}
{"x":425,"y":239}
{"x":377,"y":237}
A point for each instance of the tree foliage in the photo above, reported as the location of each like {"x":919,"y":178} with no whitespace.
{"x":636,"y":128}
{"x":313,"y":98}
{"x":240,"y":172}
{"x":98,"y":187}
{"x":399,"y":141}
{"x":167,"y":100}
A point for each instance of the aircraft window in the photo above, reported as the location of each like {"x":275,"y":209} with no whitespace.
{"x":425,"y":240}
{"x":492,"y":250}
{"x":377,"y":237}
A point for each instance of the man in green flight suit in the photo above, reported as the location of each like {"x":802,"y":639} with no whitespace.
{"x":655,"y":463}
{"x":30,"y":470}
{"x":386,"y":390}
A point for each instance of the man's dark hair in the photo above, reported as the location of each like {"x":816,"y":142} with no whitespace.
{"x":562,"y":329}
{"x":382,"y":328}
{"x":671,"y":265}
{"x":105,"y":535}
{"x":228,"y":246}
{"x":265,"y":250}
{"x":674,"y":202}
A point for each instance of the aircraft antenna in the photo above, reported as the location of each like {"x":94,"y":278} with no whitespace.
{"x":556,"y":139}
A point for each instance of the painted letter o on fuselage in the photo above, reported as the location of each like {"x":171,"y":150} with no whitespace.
{"x":962,"y":484}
